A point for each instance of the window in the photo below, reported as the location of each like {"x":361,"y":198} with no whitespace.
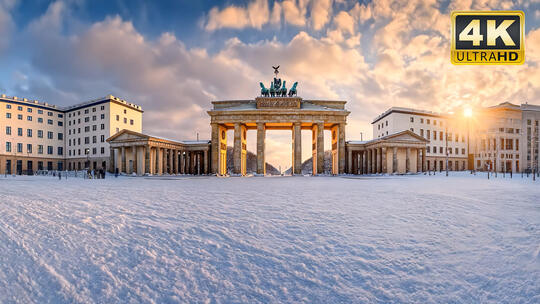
{"x":29,"y":110}
{"x":19,"y":131}
{"x":60,"y":115}
{"x":29,"y":118}
{"x":40,"y":133}
{"x":102,"y":150}
{"x":94,"y":151}
{"x":421,"y":120}
{"x":19,"y":147}
{"x":412,"y":129}
{"x":434,"y":135}
{"x":102,"y":126}
{"x":441,"y":150}
{"x":50,"y":150}
{"x":131,"y":122}
{"x":78,"y":120}
{"x":94,"y":118}
{"x":40,"y":149}
{"x":102,"y":108}
{"x":117,"y":117}
{"x":93,"y":109}
{"x":427,"y":121}
{"x":125,"y":120}
{"x":94,"y":139}
{"x":19,"y":108}
{"x":79,"y":130}
{"x":102,"y":138}
{"x":60,"y":123}
{"x":125,"y":111}
{"x":85,"y":111}
{"x":19,"y":116}
{"x":435,"y":122}
{"x":8,"y":115}
{"x":40,"y":111}
{"x":94,"y":127}
{"x":49,"y":121}
{"x":463,"y":151}
{"x":50,"y":135}
{"x":69,"y":123}
{"x":457,"y":151}
{"x":60,"y":136}
{"x":427,"y":149}
{"x":8,"y":130}
{"x":441,"y":135}
{"x":79,"y":141}
{"x":49,"y":113}
{"x":387,"y":123}
{"x":8,"y":106}
{"x":40,"y":120}
{"x":29,"y":148}
{"x":86,"y":119}
{"x":102,"y":116}
{"x":449,"y":136}
{"x":60,"y":151}
{"x":412,"y":119}
{"x":87,"y":129}
{"x":87,"y":140}
{"x":422,"y":132}
{"x":8,"y":146}
{"x":29,"y":132}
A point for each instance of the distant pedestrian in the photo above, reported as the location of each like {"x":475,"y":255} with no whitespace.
{"x":59,"y":175}
{"x":116,"y":172}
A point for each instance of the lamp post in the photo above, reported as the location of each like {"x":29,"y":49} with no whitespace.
{"x":446,"y":145}
{"x":470,"y":157}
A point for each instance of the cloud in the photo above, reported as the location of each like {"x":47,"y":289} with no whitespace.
{"x":321,"y":12}
{"x":255,"y":15}
{"x":6,"y":24}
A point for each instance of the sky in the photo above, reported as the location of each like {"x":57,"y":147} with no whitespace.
{"x":174,"y":57}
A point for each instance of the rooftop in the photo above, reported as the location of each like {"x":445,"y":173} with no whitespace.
{"x":68,"y":108}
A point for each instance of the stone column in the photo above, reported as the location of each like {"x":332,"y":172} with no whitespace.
{"x":320,"y":148}
{"x":341,"y":144}
{"x":384,"y":168}
{"x":134,"y":163}
{"x":140,"y":160}
{"x":368,"y":161}
{"x":175,"y":161}
{"x":193,"y":158}
{"x":423,"y":159}
{"x":349,"y":161}
{"x":373,"y":160}
{"x":408,"y":160}
{"x":215,"y":143}
{"x":146,"y":152}
{"x":394,"y":160}
{"x":365,"y":158}
{"x":183,"y":163}
{"x":237,"y":151}
{"x":379,"y":160}
{"x":111,"y":160}
{"x":160,"y":161}
{"x":418,"y":161}
{"x":261,"y":138}
{"x":205,"y":164}
{"x":123,"y":160}
{"x":171,"y":161}
{"x":297,"y":149}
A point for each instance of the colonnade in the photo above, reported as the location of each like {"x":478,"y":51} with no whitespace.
{"x":155,"y":160}
{"x":386,"y":159}
{"x":219,"y":146}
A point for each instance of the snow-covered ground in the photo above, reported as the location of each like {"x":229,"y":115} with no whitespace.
{"x":414,"y":239}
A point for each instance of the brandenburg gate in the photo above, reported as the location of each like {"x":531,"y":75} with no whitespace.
{"x":277,"y":113}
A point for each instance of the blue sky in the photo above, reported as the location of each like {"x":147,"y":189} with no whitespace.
{"x":174,"y":57}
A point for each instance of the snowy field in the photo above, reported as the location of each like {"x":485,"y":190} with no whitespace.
{"x":416,"y":239}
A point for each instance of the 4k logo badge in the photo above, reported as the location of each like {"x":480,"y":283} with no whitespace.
{"x":488,"y":37}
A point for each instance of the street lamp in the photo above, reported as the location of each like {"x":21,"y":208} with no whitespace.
{"x":470,"y":158}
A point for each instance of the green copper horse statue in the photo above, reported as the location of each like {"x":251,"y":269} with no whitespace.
{"x":272,"y":90}
{"x":264,"y":91}
{"x":292,"y":91}
{"x":283,"y":90}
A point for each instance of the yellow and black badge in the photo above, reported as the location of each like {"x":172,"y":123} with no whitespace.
{"x":488,"y":37}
